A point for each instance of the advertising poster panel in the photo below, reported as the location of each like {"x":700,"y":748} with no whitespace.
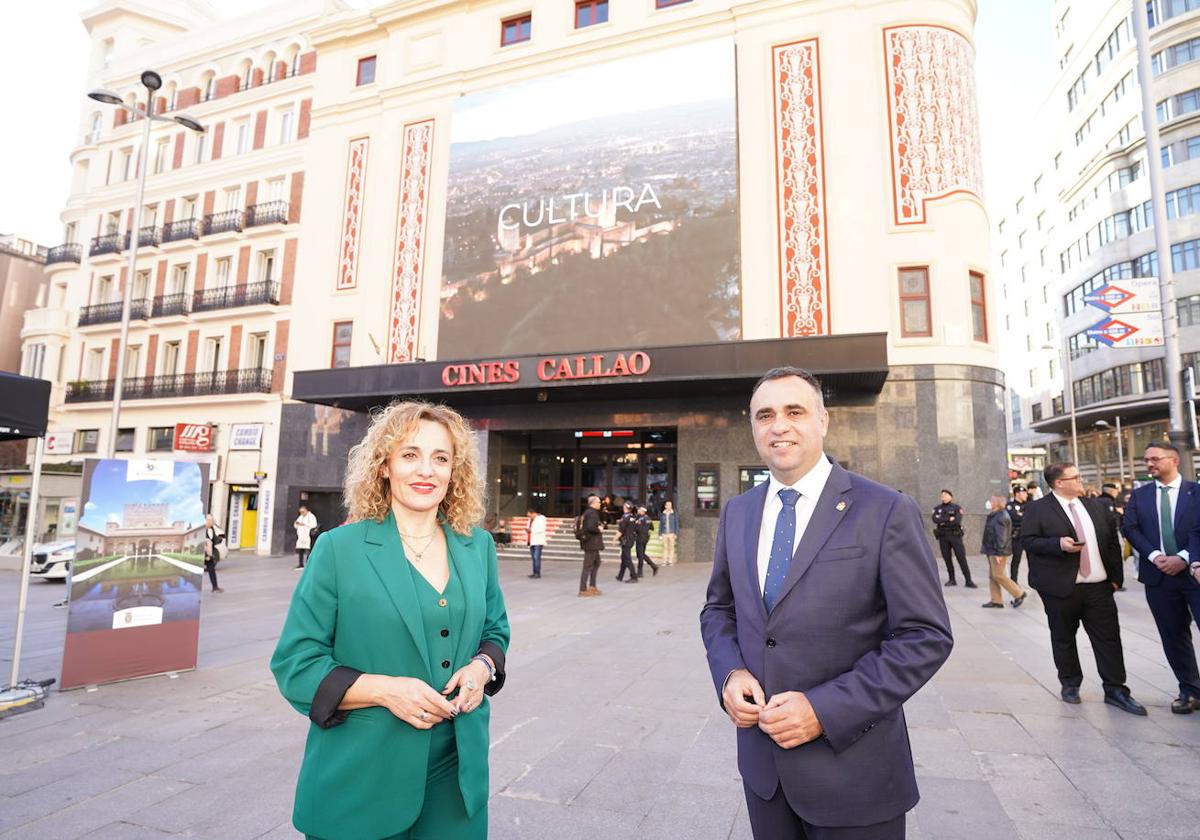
{"x":595,"y":208}
{"x":135,"y":582}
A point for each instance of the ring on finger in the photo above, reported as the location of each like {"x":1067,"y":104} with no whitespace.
{"x":423,"y":715}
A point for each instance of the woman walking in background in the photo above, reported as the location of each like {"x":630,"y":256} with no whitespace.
{"x":214,"y":538}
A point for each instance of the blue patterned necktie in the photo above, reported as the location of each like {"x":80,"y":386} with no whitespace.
{"x":781,"y":547}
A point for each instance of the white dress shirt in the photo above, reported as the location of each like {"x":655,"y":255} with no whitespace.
{"x":537,"y":530}
{"x":810,"y":487}
{"x":1098,"y":573}
{"x":1173,"y":495}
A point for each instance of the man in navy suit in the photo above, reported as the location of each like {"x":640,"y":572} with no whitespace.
{"x":1164,"y":554}
{"x":824,"y":614}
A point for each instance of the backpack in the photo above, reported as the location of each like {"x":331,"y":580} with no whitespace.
{"x":580,"y":534}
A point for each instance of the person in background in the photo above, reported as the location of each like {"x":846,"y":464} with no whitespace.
{"x":626,"y":537}
{"x":948,"y":528}
{"x":537,"y":540}
{"x":304,"y":525}
{"x":214,"y":536}
{"x":997,"y":545}
{"x":1016,"y":512}
{"x":1035,"y":492}
{"x":642,"y":528}
{"x":589,"y":530}
{"x":668,"y":532}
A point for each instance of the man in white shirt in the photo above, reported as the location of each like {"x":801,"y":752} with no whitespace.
{"x":537,"y":540}
{"x":1075,"y":565}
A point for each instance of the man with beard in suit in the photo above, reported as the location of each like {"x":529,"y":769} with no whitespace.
{"x":1075,"y":565}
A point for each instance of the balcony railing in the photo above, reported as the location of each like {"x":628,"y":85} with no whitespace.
{"x":222,"y":222}
{"x":69,"y":252}
{"x":111,"y":243}
{"x":110,"y":313}
{"x":229,"y":297}
{"x":272,"y":212}
{"x":180,"y":304}
{"x":149,"y":236}
{"x":183,"y":229}
{"x":248,"y":381}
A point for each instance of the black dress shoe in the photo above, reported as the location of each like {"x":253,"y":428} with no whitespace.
{"x":971,"y":585}
{"x":1125,"y":702}
{"x":992,"y":605}
{"x":1019,"y":600}
{"x":1070,"y":694}
{"x":1185,"y":705}
{"x":951,"y":582}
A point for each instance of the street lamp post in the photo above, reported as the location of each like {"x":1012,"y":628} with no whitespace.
{"x":1104,"y":424}
{"x":152,"y":82}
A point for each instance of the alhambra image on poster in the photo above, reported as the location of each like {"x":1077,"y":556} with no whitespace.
{"x":602,"y":219}
{"x":135,"y":581}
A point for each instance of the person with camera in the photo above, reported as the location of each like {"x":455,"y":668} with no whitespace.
{"x":306,"y":531}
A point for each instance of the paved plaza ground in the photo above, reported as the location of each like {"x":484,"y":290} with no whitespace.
{"x":607,"y":729}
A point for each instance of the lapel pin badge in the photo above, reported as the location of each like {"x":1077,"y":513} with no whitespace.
{"x":841,"y":506}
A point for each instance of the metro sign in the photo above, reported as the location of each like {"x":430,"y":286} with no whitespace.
{"x":193,"y":437}
{"x":1112,"y":332}
{"x":1109,"y":297}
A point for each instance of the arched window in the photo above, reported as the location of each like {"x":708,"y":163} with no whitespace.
{"x":209,"y":83}
{"x":246,"y":74}
{"x":269,"y":70}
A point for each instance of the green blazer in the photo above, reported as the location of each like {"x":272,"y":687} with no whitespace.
{"x":355,"y":611}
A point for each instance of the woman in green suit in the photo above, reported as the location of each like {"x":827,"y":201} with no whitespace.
{"x":395,"y":639}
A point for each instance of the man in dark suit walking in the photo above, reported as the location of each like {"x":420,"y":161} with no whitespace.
{"x":824,"y":614}
{"x":1160,"y":519}
{"x":1075,"y":565}
{"x":591,"y":540}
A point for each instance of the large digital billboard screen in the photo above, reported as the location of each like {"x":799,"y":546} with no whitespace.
{"x":595,"y":208}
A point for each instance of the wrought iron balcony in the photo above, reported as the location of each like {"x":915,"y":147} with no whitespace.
{"x":223,"y":222}
{"x":180,"y":304}
{"x":69,"y":252}
{"x":247,"y":381}
{"x":149,"y":236}
{"x":230,"y":297}
{"x":111,"y":243}
{"x":270,"y":213}
{"x":110,"y":313}
{"x":182,"y":229}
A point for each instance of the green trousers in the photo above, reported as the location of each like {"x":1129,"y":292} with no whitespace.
{"x":443,"y":815}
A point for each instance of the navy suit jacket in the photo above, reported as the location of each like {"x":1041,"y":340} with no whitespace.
{"x":1140,"y":526}
{"x":859,"y":626}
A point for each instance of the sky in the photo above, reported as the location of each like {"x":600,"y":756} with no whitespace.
{"x":111,"y":490}
{"x":45,"y":47}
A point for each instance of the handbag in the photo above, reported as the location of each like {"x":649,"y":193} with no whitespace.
{"x":222,"y":549}
{"x":312,"y":533}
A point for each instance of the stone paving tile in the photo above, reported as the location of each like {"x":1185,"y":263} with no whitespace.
{"x":608,"y":728}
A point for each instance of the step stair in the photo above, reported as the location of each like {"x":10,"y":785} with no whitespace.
{"x":561,"y":543}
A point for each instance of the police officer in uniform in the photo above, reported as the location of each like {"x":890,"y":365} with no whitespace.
{"x":627,"y":539}
{"x":948,"y":528}
{"x":642,"y":529}
{"x":1016,"y":512}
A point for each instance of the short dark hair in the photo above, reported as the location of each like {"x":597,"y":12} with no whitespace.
{"x":1163,"y":444}
{"x":1054,"y":471}
{"x":947,"y":492}
{"x":784,"y":372}
{"x":1108,"y":485}
{"x":1031,"y":485}
{"x":532,"y":509}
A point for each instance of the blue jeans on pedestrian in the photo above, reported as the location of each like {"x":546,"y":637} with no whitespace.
{"x":535,"y":551}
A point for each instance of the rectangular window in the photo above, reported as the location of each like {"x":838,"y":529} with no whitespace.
{"x":590,"y":12}
{"x":104,"y":290}
{"x":233,"y":199}
{"x":266,"y":266}
{"x":160,"y":157}
{"x":34,"y":359}
{"x":342,"y":332}
{"x":275,"y":189}
{"x":224,"y":265}
{"x":95,"y":364}
{"x":366,"y":70}
{"x":179,"y":280}
{"x":514,"y":30}
{"x":978,"y":308}
{"x":286,"y":120}
{"x":170,"y":359}
{"x":87,"y":440}
{"x":141,"y":285}
{"x":212,"y":354}
{"x":187,"y":208}
{"x":198,"y":157}
{"x":124,"y":440}
{"x":243,"y":137}
{"x":916,"y":320}
{"x":708,"y":490}
{"x":126,"y":164}
{"x":133,"y":360}
{"x":256,"y":351}
{"x":160,"y":438}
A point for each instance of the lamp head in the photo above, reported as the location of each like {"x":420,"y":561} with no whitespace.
{"x":151,"y":80}
{"x":188,"y":122}
{"x":108,"y":97}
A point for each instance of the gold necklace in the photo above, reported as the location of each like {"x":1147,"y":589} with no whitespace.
{"x":417,"y":555}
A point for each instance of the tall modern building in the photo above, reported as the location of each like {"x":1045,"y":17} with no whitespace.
{"x":591,"y":226}
{"x":1076,"y":238}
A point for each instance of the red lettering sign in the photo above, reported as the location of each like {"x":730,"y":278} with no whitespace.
{"x":549,"y":369}
{"x":193,"y":437}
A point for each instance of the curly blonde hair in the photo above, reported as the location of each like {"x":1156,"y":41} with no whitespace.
{"x":367,"y":494}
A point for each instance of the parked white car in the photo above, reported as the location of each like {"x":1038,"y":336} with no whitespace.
{"x":52,"y":560}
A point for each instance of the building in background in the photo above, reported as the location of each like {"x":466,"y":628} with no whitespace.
{"x":215,"y":288}
{"x":22,"y":288}
{"x":1078,"y":227}
{"x":591,"y":228}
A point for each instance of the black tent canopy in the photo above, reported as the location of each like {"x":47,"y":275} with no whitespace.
{"x":24,"y":406}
